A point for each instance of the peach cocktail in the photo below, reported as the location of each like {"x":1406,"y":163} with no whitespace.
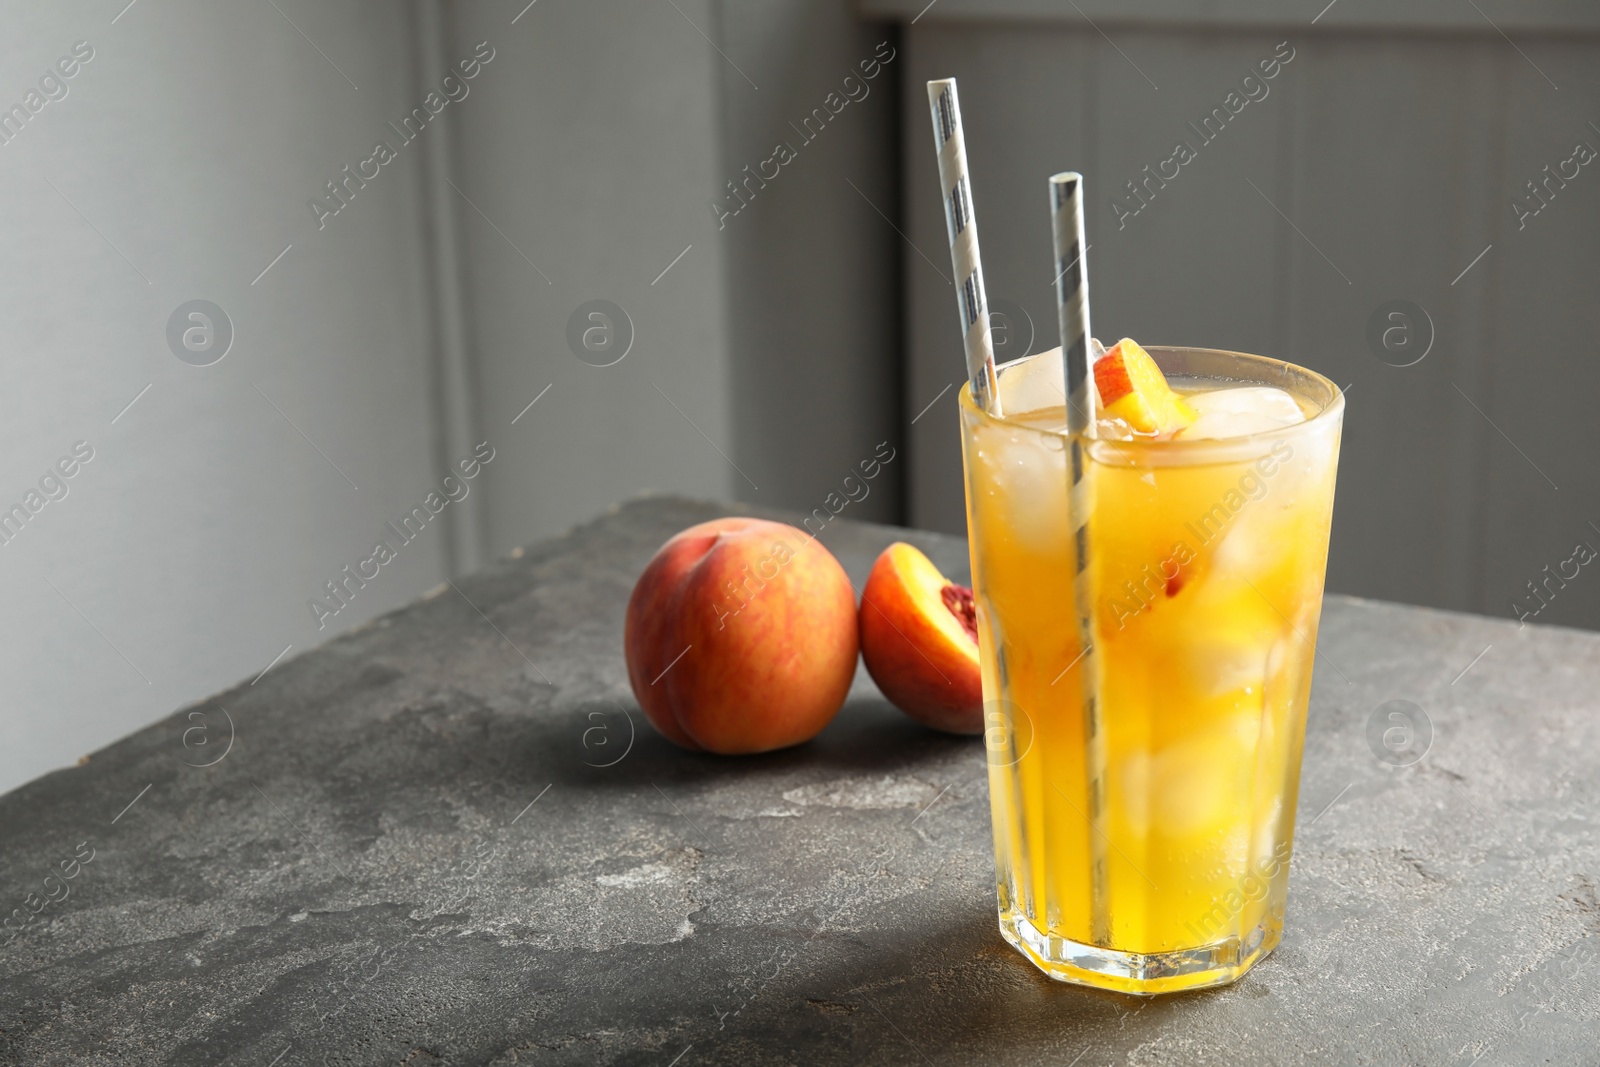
{"x":1143,"y":788}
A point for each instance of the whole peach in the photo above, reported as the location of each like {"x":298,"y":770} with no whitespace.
{"x":919,"y":638}
{"x":741,"y":637}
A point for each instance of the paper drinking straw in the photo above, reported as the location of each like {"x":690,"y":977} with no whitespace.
{"x":1072,"y":306}
{"x":971,"y":300}
{"x":1072,"y":298}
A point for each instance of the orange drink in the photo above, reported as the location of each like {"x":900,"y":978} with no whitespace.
{"x":1144,"y":768}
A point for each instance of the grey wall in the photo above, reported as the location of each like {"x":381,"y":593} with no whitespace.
{"x":184,"y":554}
{"x":765,"y":361}
{"x":588,"y":152}
{"x":1383,"y":164}
{"x":813,"y":261}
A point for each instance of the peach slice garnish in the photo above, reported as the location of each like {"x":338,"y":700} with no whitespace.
{"x":1133,"y":389}
{"x":919,"y":638}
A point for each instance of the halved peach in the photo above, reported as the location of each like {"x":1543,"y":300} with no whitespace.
{"x":1133,"y":389}
{"x":919,"y":638}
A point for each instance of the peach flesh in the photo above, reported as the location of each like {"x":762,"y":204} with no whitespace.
{"x":919,"y":638}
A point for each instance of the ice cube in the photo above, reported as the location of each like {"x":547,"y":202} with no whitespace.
{"x":1256,"y":540}
{"x":1025,"y":485}
{"x":1134,"y":778}
{"x":1229,"y":654}
{"x":1237,"y":412}
{"x":1196,"y":788}
{"x":1035,"y":384}
{"x":1265,"y":838}
{"x":1224,"y":663}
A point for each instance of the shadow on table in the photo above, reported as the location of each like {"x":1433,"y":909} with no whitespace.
{"x":944,"y":989}
{"x":619,"y":748}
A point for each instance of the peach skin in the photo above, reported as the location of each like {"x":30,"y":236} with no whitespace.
{"x":919,"y":637}
{"x":741,"y":637}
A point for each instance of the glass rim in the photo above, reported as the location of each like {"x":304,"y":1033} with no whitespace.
{"x":1332,"y":410}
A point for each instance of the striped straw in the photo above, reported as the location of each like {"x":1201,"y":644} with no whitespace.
{"x":1072,"y":297}
{"x":1072,"y":305}
{"x":971,"y":300}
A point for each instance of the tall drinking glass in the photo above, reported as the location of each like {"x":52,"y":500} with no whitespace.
{"x":1143,"y":781}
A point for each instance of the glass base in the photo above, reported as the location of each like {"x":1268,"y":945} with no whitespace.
{"x":1142,"y":974}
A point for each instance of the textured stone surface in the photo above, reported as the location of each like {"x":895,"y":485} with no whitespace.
{"x":361,"y":879}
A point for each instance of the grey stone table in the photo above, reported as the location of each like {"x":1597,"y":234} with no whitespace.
{"x":450,"y":837}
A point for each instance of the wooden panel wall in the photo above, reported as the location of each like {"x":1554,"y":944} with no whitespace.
{"x":1378,"y":167}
